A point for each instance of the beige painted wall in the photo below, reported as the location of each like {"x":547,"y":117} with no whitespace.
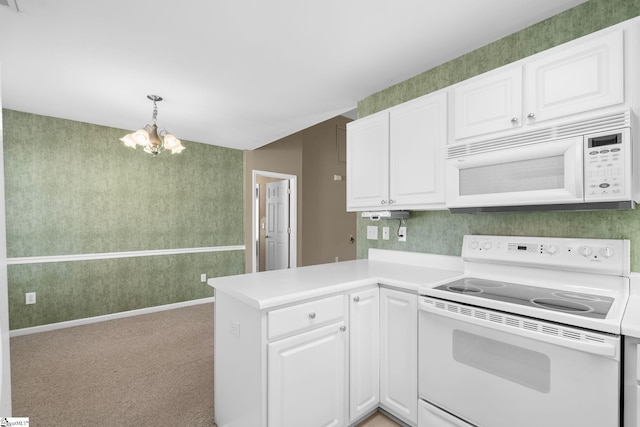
{"x":327,"y":224}
{"x":313,"y":156}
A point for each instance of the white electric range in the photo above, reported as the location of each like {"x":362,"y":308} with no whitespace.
{"x":528,"y":335}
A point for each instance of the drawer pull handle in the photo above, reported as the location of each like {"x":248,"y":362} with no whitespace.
{"x":343,"y":328}
{"x":356,"y":299}
{"x":312,"y":315}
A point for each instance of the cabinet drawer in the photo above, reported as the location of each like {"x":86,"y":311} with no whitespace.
{"x":304,"y":316}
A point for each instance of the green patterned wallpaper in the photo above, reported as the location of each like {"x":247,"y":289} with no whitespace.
{"x":586,"y":18}
{"x":73,"y":188}
{"x":441,"y":232}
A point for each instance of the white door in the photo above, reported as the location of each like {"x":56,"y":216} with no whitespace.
{"x":399,"y":354}
{"x":368,"y":162}
{"x":488,"y":103}
{"x":307,"y":379}
{"x":5,"y":366}
{"x":364,"y":348}
{"x":572,"y":80}
{"x":277,"y":219}
{"x":418,"y":136}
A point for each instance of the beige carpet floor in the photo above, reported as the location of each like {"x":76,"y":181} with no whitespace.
{"x":149,"y":370}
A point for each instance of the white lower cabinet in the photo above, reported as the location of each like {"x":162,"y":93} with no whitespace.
{"x":632,"y":382}
{"x":399,"y":354}
{"x":307,"y":379}
{"x":324,"y":362}
{"x":364,"y":348}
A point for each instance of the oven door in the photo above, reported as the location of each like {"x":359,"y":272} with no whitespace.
{"x":493,"y":369}
{"x":546,"y":173}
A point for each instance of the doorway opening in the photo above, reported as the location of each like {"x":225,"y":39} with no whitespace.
{"x":274,"y":230}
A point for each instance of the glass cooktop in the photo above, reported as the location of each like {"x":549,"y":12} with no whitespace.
{"x":580,"y":304}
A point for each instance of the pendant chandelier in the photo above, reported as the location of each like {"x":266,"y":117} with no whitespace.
{"x":153,"y":140}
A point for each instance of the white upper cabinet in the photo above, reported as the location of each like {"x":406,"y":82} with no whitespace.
{"x":490,"y":103}
{"x":368,"y":162}
{"x":394,"y":158}
{"x":583,"y":76}
{"x":418,"y":136}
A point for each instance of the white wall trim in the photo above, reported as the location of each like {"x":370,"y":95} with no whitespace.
{"x":113,"y":316}
{"x":113,"y":255}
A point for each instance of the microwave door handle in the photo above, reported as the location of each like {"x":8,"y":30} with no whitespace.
{"x":607,"y":349}
{"x":580,"y":179}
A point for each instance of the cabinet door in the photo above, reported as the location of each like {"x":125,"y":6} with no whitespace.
{"x":575,"y":79}
{"x":364,"y":309}
{"x":307,"y":379}
{"x":399,"y":354}
{"x":368,"y":162}
{"x":418,"y":134}
{"x":488,"y":103}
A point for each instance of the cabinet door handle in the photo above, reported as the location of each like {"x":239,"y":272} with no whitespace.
{"x":531,"y":116}
{"x":343,"y":328}
{"x":514,"y":120}
{"x":312,"y":315}
{"x":383,"y":202}
{"x":356,"y":299}
{"x":390,"y":201}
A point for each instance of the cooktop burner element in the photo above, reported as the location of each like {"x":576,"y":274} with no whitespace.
{"x":533,"y":296}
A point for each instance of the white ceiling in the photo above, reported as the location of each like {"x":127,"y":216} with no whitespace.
{"x":234,"y":73}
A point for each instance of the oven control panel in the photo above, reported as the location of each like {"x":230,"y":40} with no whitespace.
{"x":606,"y":256}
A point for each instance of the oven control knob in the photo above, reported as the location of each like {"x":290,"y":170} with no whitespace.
{"x":585,"y":251}
{"x":551,"y":249}
{"x":474,"y":244}
{"x":606,"y":252}
{"x":486,"y":246}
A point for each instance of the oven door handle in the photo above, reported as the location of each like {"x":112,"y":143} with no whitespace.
{"x":573,"y":338}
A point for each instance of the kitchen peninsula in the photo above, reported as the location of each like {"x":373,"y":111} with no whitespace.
{"x":322,"y":345}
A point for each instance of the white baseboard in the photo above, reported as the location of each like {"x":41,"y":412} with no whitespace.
{"x":96,"y":319}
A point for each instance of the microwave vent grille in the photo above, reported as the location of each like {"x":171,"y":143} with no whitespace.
{"x":597,"y":124}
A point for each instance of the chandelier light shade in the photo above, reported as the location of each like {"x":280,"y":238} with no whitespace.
{"x":153,"y":140}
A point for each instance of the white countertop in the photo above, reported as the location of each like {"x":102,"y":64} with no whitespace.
{"x":404,"y":270}
{"x":631,"y":318}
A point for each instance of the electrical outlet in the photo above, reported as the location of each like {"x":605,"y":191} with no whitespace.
{"x":385,"y":233}
{"x":203,"y":277}
{"x":372,"y":232}
{"x":402,"y":234}
{"x":30,"y":298}
{"x":235,"y":327}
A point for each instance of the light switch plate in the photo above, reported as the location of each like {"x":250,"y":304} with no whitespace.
{"x":385,"y":233}
{"x":372,"y":232}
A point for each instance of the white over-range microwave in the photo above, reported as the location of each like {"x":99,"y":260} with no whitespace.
{"x":579,"y":166}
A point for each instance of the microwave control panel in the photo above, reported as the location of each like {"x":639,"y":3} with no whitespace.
{"x":607,"y":166}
